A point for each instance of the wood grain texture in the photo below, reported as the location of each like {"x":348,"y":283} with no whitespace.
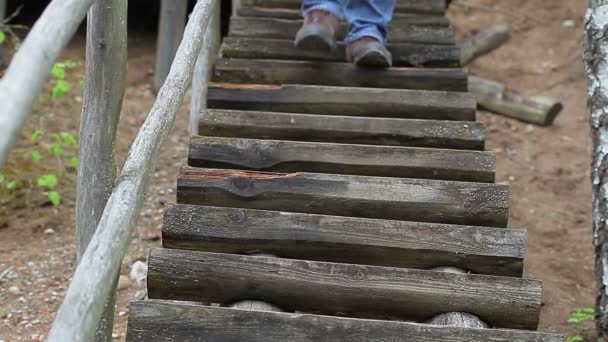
{"x":348,"y":289}
{"x":364,"y":160}
{"x":278,"y":72}
{"x":418,"y":55}
{"x":287,"y":29}
{"x":421,"y":200}
{"x":468,"y":135}
{"x":406,"y":6}
{"x":344,"y":239}
{"x":162,"y":321}
{"x":398,"y":103}
{"x":296,"y":14}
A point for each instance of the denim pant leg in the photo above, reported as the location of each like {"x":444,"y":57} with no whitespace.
{"x":335,"y":7}
{"x":367,"y":18}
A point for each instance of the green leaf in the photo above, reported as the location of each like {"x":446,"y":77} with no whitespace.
{"x":58,"y":70}
{"x":57,"y":149}
{"x":61,"y":88}
{"x":1,"y":178}
{"x":68,"y":139}
{"x":36,"y":157}
{"x":47,"y":181}
{"x":54,"y":197}
{"x":12,"y":185}
{"x":2,"y":37}
{"x":37,"y":134}
{"x":575,"y":338}
{"x":73,"y":162}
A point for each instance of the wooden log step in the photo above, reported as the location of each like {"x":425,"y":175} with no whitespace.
{"x":480,"y":250}
{"x":420,"y":200}
{"x":163,"y":321}
{"x":364,"y":160}
{"x":467,"y":135}
{"x":376,"y":102}
{"x":287,"y":29}
{"x":417,"y":55}
{"x":346,"y":289}
{"x":296,"y":14}
{"x":233,"y":70}
{"x":401,"y":6}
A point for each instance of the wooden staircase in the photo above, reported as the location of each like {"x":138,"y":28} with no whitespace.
{"x":325,"y":202}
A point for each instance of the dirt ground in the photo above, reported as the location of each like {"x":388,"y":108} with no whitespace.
{"x":547,"y":169}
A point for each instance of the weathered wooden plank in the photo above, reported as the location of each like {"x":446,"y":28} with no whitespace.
{"x":287,"y":29}
{"x":344,"y":239}
{"x":296,"y":14}
{"x":418,"y":55}
{"x":405,"y":6}
{"x":162,"y":321}
{"x":420,"y":200}
{"x":466,"y":135}
{"x":348,"y":289}
{"x":399,"y":103}
{"x":264,"y":71}
{"x":365,"y":160}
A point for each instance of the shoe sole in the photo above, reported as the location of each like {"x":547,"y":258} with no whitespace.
{"x":373,"y":58}
{"x":315,"y":38}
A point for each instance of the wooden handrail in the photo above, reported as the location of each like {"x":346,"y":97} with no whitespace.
{"x":32,"y":64}
{"x":92,"y":284}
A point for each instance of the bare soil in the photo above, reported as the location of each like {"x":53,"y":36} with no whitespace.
{"x":547,"y":169}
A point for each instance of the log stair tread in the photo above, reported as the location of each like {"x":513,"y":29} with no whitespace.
{"x":265,"y":71}
{"x":338,"y":288}
{"x":287,"y":29}
{"x":482,"y":250}
{"x":465,"y":135}
{"x":358,"y":201}
{"x":367,"y":160}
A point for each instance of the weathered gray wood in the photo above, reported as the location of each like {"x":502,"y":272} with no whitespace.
{"x":406,"y":6}
{"x":170,"y":31}
{"x":106,"y":69}
{"x":418,"y":55}
{"x":419,"y":200}
{"x":296,"y":14}
{"x":202,"y":71}
{"x":161,"y":321}
{"x":365,"y":160}
{"x":468,"y":135}
{"x":596,"y":66}
{"x":344,"y":239}
{"x":483,"y":43}
{"x":92,"y":282}
{"x":31,"y":65}
{"x":496,"y":98}
{"x":287,"y":29}
{"x":254,"y":305}
{"x":266,"y":71}
{"x":376,"y":102}
{"x":348,"y":289}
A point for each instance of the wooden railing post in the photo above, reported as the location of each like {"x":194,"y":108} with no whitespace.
{"x":202,"y":71}
{"x":236,"y":4}
{"x":106,"y":67}
{"x":170,"y":32}
{"x":80,"y":313}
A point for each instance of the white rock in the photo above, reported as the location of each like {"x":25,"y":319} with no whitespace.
{"x":139,"y":272}
{"x":124,"y":282}
{"x":14,"y":290}
{"x":49,"y":231}
{"x":568,"y":23}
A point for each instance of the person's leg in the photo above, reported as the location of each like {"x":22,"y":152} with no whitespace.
{"x":321,"y":19}
{"x":368,"y":26}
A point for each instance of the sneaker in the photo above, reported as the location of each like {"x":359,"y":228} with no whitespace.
{"x":368,"y":51}
{"x":318,"y":31}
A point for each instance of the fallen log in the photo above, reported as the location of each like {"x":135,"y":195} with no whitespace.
{"x":497,"y":98}
{"x":482,"y":43}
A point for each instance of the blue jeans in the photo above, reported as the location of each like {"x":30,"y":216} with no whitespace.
{"x":366,"y":18}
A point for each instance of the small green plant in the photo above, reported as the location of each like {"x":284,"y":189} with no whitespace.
{"x":62,"y":85}
{"x":581,"y":318}
{"x":2,"y":37}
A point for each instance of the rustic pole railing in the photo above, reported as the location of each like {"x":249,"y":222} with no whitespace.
{"x":31,"y":65}
{"x":170,"y":31}
{"x":92,"y":284}
{"x":106,"y":68}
